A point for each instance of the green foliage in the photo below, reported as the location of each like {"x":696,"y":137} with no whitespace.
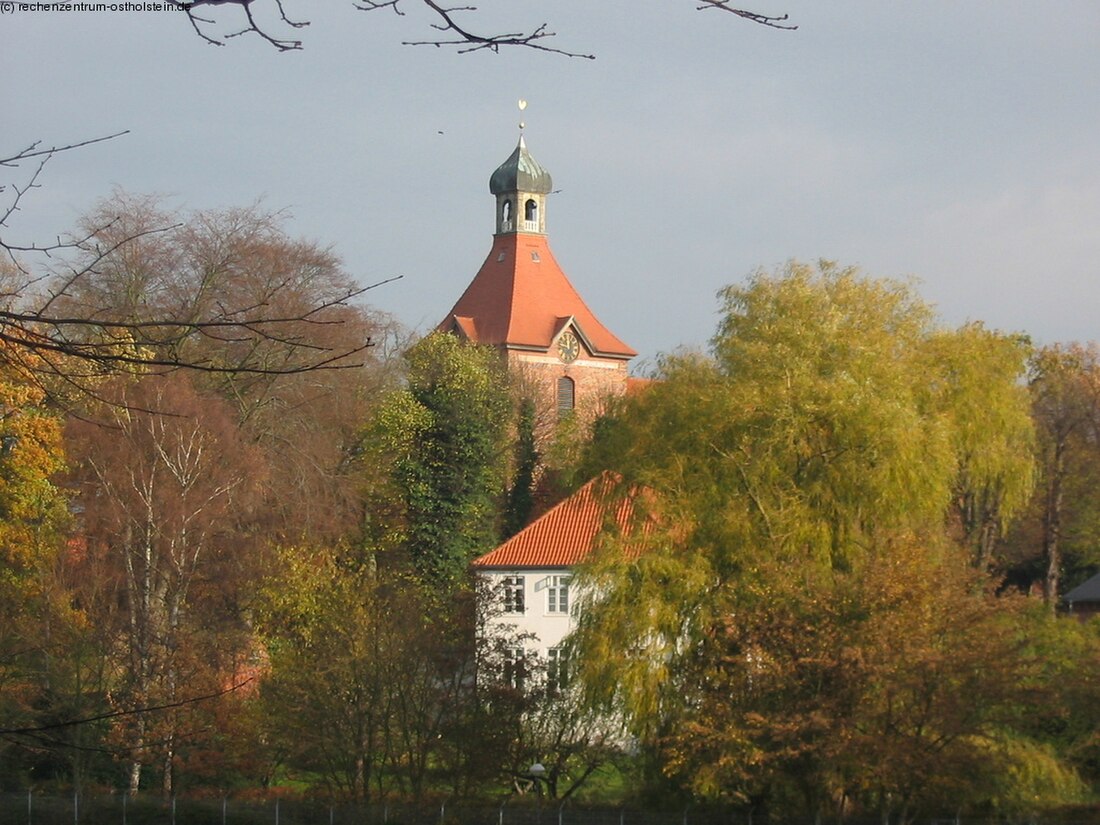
{"x":976,"y":386}
{"x":805,"y":624}
{"x":442,"y":447}
{"x":371,"y":691}
{"x":1060,"y":531}
{"x":521,"y":493}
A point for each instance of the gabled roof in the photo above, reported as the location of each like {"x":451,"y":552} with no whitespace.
{"x":566,"y":534}
{"x":520,"y":296}
{"x":1089,"y":591}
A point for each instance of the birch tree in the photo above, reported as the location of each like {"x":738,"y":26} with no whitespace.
{"x":164,"y":486}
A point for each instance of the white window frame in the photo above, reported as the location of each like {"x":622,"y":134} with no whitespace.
{"x":515,"y":668}
{"x":513,"y":586}
{"x":557,"y":669}
{"x":557,"y":595}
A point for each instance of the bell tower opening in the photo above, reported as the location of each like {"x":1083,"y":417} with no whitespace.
{"x":521,"y":186}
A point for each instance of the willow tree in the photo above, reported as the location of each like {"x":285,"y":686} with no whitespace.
{"x":1065,"y":389}
{"x":834,"y":423}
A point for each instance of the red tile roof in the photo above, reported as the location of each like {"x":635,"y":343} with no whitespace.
{"x":520,"y":297}
{"x":565,"y":534}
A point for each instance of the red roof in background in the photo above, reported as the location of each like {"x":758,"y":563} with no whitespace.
{"x":520,"y":297}
{"x":565,"y":534}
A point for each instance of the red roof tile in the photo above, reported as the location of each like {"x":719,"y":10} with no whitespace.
{"x":565,"y":534}
{"x":519,"y":298}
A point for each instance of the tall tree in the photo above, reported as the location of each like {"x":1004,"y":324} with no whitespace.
{"x":978,"y":389}
{"x":164,"y":489}
{"x":442,"y":444}
{"x":32,"y":520}
{"x":829,"y":437}
{"x":1065,"y":390}
{"x":306,"y":421}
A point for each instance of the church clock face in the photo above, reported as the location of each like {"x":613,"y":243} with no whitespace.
{"x":568,"y":347}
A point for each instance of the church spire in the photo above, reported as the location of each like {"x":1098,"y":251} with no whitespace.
{"x":521,"y":186}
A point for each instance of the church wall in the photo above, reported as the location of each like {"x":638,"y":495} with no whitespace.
{"x":594,"y":380}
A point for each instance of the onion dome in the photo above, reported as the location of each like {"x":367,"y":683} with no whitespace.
{"x":520,"y":173}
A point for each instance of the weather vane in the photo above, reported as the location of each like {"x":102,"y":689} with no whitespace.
{"x":522,"y":106}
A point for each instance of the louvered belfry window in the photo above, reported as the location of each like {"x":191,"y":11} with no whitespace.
{"x":566,"y":395}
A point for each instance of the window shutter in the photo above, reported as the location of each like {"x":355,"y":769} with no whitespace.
{"x":566,"y":392}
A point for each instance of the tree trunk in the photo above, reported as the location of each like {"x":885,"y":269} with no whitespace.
{"x":1052,"y":525}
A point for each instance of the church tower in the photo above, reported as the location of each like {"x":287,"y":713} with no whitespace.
{"x":521,"y":302}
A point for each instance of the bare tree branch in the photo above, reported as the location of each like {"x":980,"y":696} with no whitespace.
{"x":59,"y":349}
{"x":100,"y":717}
{"x":774,"y":22}
{"x":453,"y":34}
{"x":14,"y":162}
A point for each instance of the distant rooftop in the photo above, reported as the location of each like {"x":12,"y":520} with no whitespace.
{"x":566,"y":534}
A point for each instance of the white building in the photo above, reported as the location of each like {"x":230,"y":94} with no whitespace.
{"x":531,"y":575}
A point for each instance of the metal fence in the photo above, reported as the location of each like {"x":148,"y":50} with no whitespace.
{"x":120,"y":809}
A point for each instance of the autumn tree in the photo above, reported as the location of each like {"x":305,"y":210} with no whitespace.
{"x":978,"y":388}
{"x":32,"y":520}
{"x":373,"y":683}
{"x":68,"y":350}
{"x":306,"y":421}
{"x":165,"y":485}
{"x":827,"y":441}
{"x":1065,"y":392}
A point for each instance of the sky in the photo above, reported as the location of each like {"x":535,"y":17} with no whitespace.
{"x":956,"y":143}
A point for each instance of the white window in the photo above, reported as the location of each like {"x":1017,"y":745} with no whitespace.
{"x":557,"y":670}
{"x":513,"y":594}
{"x":515,"y":668}
{"x":557,"y":594}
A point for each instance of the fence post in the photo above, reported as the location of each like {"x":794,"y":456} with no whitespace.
{"x":173,"y":809}
{"x":276,"y":810}
{"x":76,"y":808}
{"x":442,"y":815}
{"x":225,"y":803}
{"x":30,"y":798}
{"x":125,"y":802}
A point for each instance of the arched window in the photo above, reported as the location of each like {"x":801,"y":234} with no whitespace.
{"x":531,"y":210}
{"x":566,"y":396}
{"x":506,"y":215}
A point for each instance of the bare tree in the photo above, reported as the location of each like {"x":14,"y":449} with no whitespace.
{"x":71,"y":345}
{"x":450,"y":29}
